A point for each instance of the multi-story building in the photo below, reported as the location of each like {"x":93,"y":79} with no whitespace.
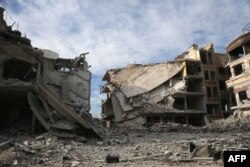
{"x":239,"y":62}
{"x":180,"y":91}
{"x":214,"y":76}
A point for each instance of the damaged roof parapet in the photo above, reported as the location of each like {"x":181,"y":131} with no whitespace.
{"x":138,"y":93}
{"x":59,"y":89}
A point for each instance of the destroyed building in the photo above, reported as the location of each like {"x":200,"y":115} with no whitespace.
{"x":214,"y":75}
{"x":239,"y":62}
{"x":41,"y":88}
{"x":180,"y":91}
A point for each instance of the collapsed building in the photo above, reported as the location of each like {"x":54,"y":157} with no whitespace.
{"x":56,"y":91}
{"x":180,"y":91}
{"x":239,"y":62}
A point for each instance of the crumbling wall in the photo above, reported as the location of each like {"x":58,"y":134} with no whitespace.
{"x":57,"y":91}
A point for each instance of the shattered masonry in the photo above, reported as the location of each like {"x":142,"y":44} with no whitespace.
{"x":180,"y":91}
{"x":239,"y":62}
{"x":57,"y":90}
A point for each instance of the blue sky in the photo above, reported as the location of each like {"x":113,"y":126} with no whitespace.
{"x":118,"y":32}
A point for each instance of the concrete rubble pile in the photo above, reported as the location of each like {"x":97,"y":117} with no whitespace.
{"x":239,"y":122}
{"x":48,"y":149}
{"x":140,"y":149}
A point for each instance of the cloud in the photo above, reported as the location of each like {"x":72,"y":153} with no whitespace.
{"x":120,"y":32}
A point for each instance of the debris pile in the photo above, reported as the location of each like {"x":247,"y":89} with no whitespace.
{"x":140,"y":149}
{"x":239,"y":122}
{"x":170,"y":127}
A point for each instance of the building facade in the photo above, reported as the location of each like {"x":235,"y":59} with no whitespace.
{"x":239,"y":62}
{"x":214,"y":74}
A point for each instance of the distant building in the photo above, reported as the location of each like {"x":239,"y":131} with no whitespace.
{"x":181,"y":91}
{"x":239,"y":62}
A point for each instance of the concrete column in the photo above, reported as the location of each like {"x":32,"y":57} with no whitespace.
{"x":232,"y":71}
{"x":237,"y":97}
{"x":108,"y":124}
{"x":248,"y":93}
{"x":229,"y":58}
{"x":244,"y":50}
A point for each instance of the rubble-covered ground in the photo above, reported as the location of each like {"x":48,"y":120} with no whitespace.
{"x":145,"y":147}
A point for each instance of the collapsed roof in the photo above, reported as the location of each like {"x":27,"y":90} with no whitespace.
{"x":143,"y":78}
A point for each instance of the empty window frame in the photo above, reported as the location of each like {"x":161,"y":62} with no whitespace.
{"x":179,"y":103}
{"x":209,"y":92}
{"x":203,"y":56}
{"x":210,"y":58}
{"x":206,"y":75}
{"x":243,"y":95}
{"x":238,"y":69}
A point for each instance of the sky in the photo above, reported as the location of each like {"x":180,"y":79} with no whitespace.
{"x":120,"y":32}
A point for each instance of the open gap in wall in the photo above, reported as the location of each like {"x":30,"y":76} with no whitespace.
{"x":203,"y":56}
{"x":222,"y":85}
{"x":193,"y":68}
{"x":243,"y":95}
{"x":196,"y":120}
{"x":181,"y":119}
{"x":237,"y":53}
{"x":206,"y":75}
{"x":194,"y":85}
{"x":16,"y":116}
{"x":238,"y":69}
{"x":18,"y":69}
{"x":233,"y":100}
{"x":210,"y":58}
{"x":195,"y":103}
{"x":179,"y":103}
{"x":167,"y":118}
{"x":213,"y":109}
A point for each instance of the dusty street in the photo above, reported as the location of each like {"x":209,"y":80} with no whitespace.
{"x":137,"y":149}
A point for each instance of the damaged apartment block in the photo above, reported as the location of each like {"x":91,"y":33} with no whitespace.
{"x":38,"y":86}
{"x":239,"y":62}
{"x":180,"y":91}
